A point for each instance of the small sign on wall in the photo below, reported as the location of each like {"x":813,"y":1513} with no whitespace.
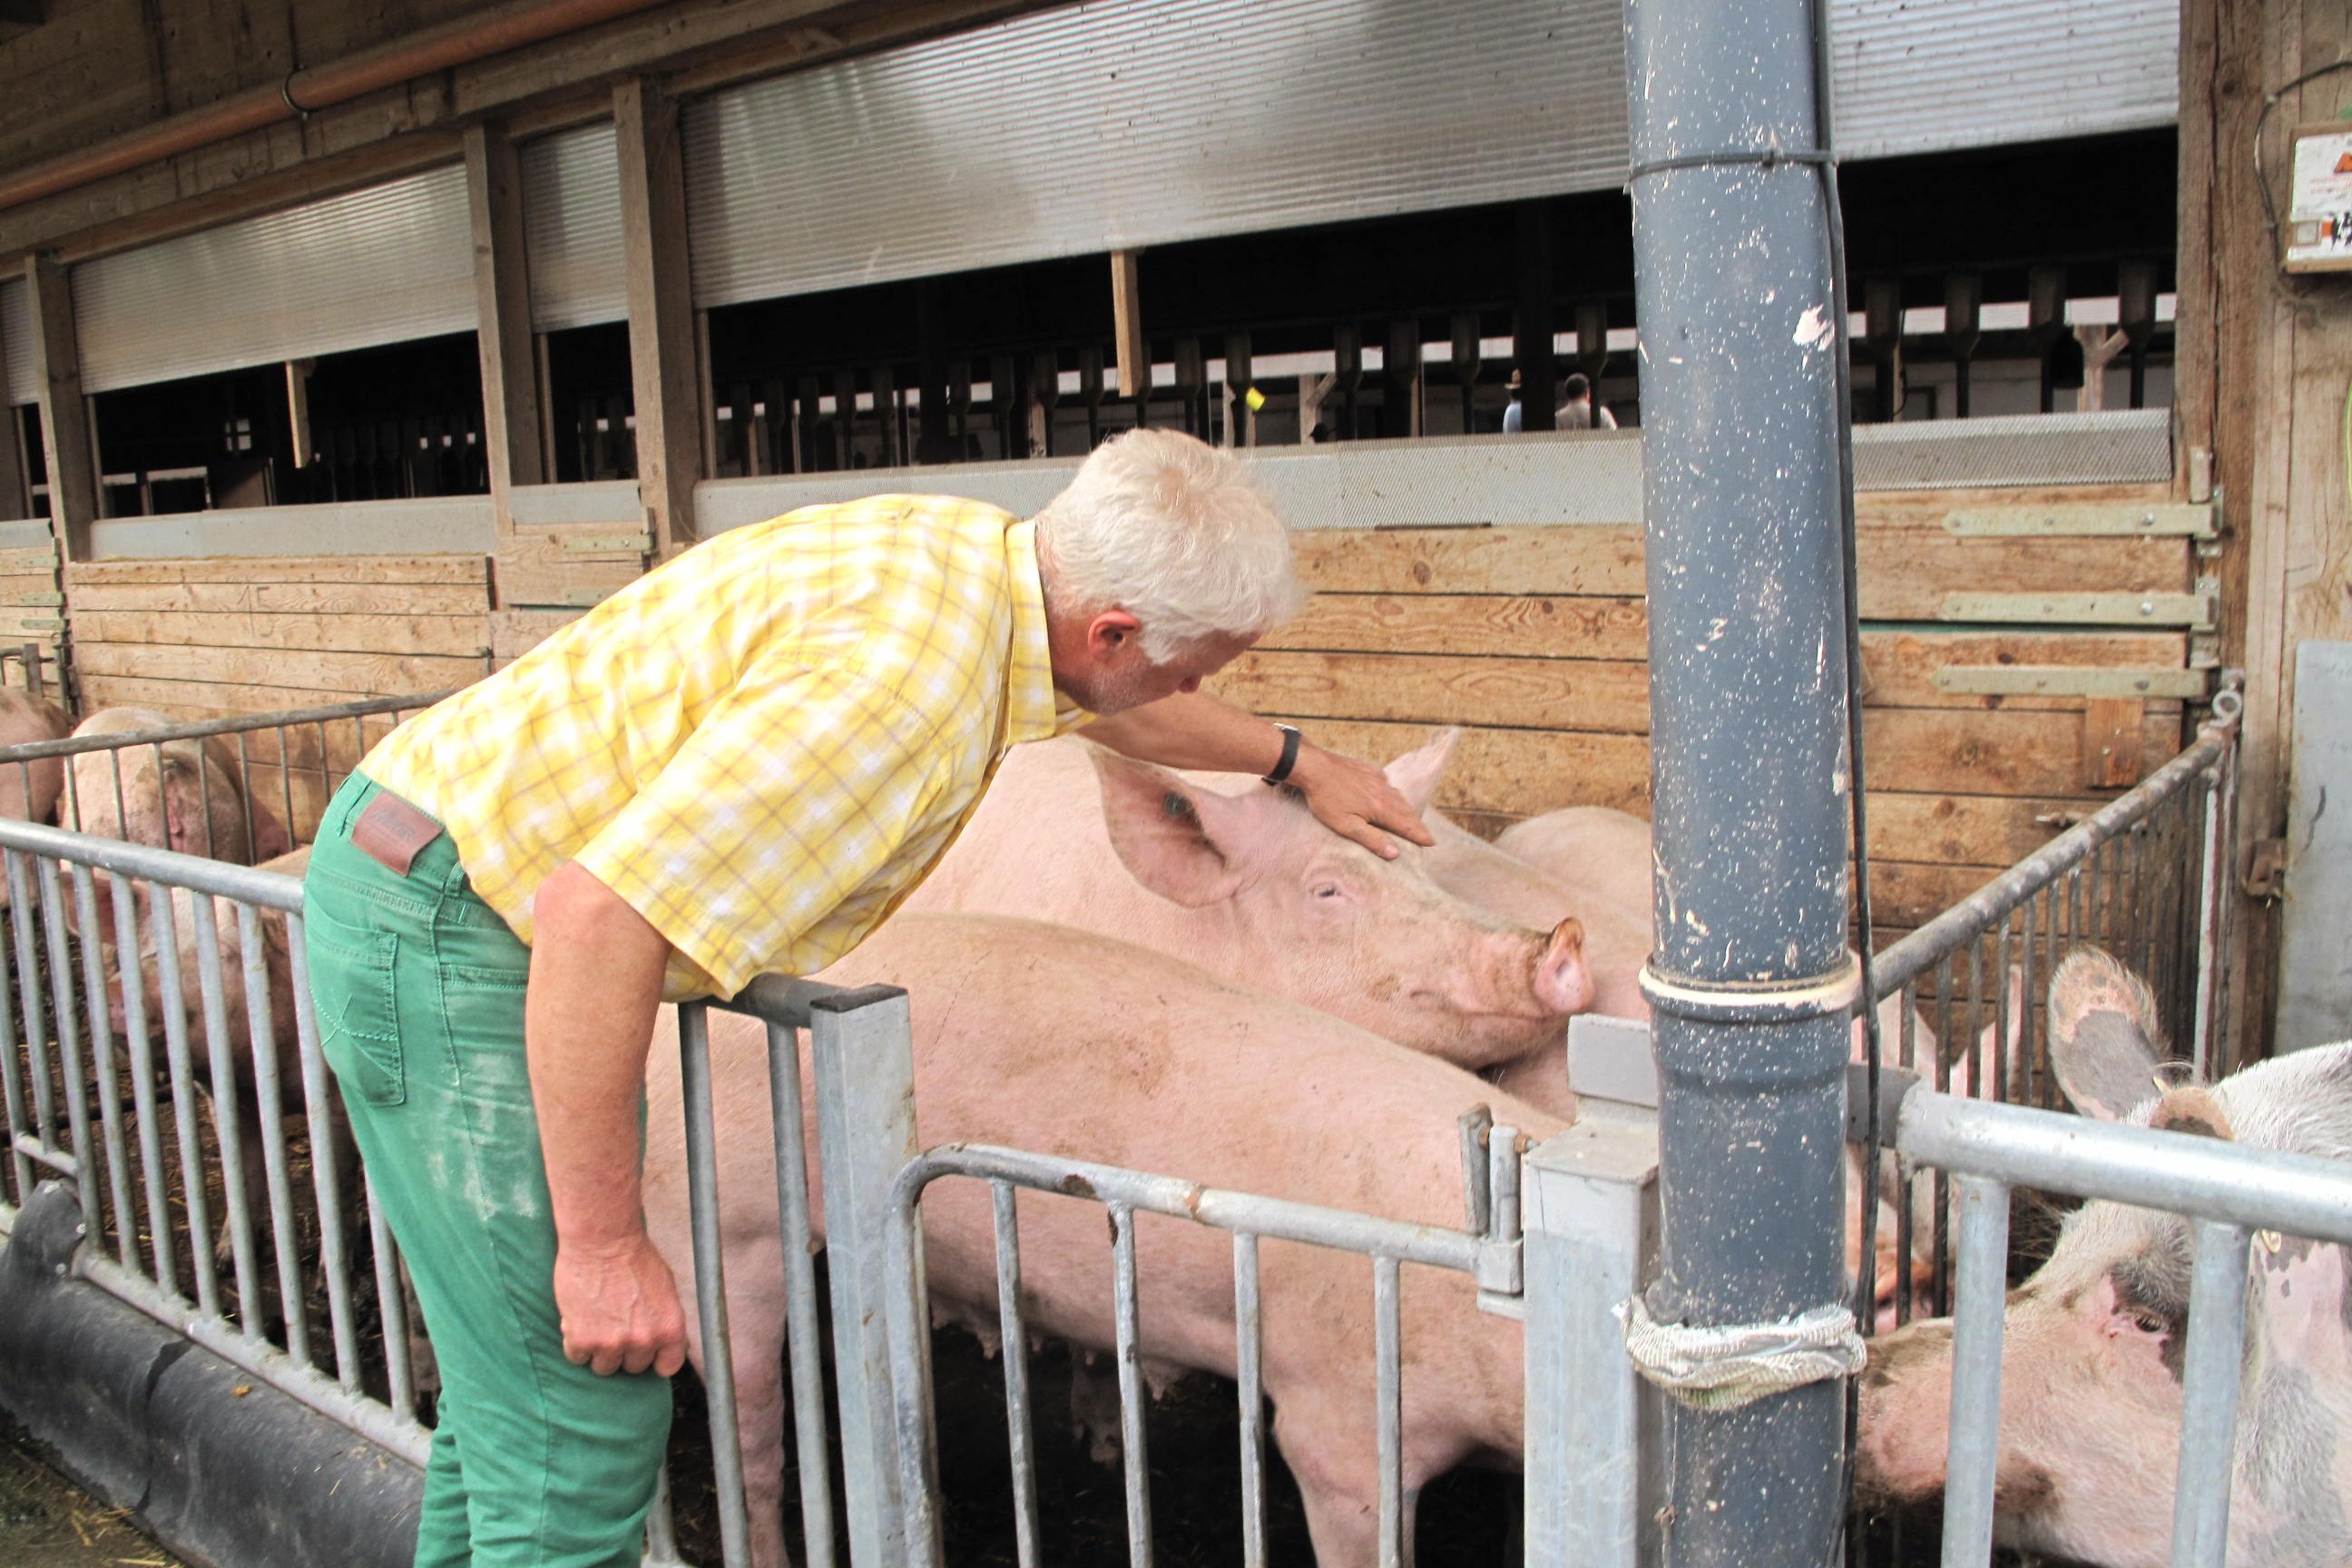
{"x":2319,"y":204}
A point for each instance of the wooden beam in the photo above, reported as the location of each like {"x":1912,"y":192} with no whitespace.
{"x":65,"y":423}
{"x":297,"y":408}
{"x":661,"y":311}
{"x":1126,"y":323}
{"x":511,"y":437}
{"x":15,"y":487}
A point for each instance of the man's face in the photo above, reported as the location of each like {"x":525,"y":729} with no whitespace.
{"x":1123,"y":678}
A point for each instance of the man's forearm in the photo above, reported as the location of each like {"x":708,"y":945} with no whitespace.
{"x":1192,"y":730}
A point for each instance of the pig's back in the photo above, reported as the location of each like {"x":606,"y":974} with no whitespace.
{"x":1064,"y":1042}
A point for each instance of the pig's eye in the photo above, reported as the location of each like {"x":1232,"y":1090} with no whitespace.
{"x":2150,"y":1324}
{"x":1327,"y":889}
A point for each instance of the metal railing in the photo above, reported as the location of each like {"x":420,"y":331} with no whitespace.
{"x":1492,"y":1257}
{"x":2144,"y":878}
{"x":2228,"y":1191}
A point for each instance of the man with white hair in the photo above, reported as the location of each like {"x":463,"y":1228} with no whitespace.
{"x":738,"y":764}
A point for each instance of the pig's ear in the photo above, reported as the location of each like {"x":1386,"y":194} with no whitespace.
{"x":1164,"y":830}
{"x":2190,"y":1108}
{"x":1415,"y":773}
{"x":2103,"y":1035}
{"x":2300,"y":1304}
{"x":270,"y":838}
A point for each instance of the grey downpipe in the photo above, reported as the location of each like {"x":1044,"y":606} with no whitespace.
{"x":1751,"y":978}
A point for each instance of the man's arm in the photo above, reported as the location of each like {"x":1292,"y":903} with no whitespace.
{"x":1194,"y":730}
{"x":595,"y":981}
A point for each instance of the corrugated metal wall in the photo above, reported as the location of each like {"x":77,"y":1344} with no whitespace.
{"x":17,"y":341}
{"x":571,"y":223}
{"x":383,"y":265}
{"x":1111,"y":123}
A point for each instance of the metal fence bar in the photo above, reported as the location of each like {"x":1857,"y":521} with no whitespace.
{"x":804,"y":1350}
{"x":28,"y":982}
{"x":400,"y":1377}
{"x":710,"y":1282}
{"x":1134,"y":1457}
{"x":2209,"y":1397}
{"x":75,"y":1087}
{"x":1015,"y":1351}
{"x":270,"y":1105}
{"x":1388,"y":1356}
{"x":141,"y":1051}
{"x":228,"y":1128}
{"x":1249,"y":1347}
{"x":1974,"y":1443}
{"x":109,"y":1085}
{"x":202,"y":728}
{"x":2202,"y":1178}
{"x":20,"y":1128}
{"x":169,"y":997}
{"x":326,"y":1158}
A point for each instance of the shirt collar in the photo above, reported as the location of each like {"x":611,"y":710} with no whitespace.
{"x":1033,"y":708}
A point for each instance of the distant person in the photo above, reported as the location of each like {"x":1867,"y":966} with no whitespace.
{"x":1512,"y":416}
{"x":1579,"y":412}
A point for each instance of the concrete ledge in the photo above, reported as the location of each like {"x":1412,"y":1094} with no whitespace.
{"x":153,"y":1424}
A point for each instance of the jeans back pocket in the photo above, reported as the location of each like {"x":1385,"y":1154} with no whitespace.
{"x":352,"y":988}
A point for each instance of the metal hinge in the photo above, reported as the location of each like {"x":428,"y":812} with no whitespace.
{"x":2066,"y":680}
{"x":1490,"y":1195}
{"x":2267,"y":869}
{"x":2198,"y":610}
{"x":2168,"y":520}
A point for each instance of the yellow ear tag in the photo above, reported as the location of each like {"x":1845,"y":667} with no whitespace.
{"x":2271,"y":1241}
{"x":1254,"y":398}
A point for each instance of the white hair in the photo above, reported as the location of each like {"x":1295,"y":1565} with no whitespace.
{"x":1175,"y":533}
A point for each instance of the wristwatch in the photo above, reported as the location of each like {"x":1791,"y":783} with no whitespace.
{"x":1289,"y":754}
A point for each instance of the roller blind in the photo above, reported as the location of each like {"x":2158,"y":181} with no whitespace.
{"x":1129,"y":123}
{"x":572,"y":223}
{"x":383,"y":265}
{"x":16,"y":341}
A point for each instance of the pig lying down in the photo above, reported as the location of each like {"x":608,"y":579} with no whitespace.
{"x":1184,"y":1076}
{"x":2092,"y":1346}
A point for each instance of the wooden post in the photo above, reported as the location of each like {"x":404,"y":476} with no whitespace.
{"x":1532,"y":335}
{"x":1127,"y":324}
{"x":661,"y":311}
{"x":1963,"y":330}
{"x":1466,"y":365}
{"x":513,"y":439}
{"x":1400,"y":408}
{"x":2100,"y":348}
{"x":931,"y":440}
{"x":297,"y":408}
{"x":65,"y":419}
{"x":15,"y":492}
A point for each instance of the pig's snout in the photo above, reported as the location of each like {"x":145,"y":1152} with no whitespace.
{"x":1563,"y":980}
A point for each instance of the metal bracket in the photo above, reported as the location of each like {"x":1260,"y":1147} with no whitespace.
{"x":2067,"y":680}
{"x":585,"y":597}
{"x":36,"y":601}
{"x":2166,"y":520}
{"x":636,"y":543}
{"x":2198,"y":610}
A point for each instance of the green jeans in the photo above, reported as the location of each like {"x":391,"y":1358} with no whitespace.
{"x":419,"y":990}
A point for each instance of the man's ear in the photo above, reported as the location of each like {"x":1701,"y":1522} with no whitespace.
{"x":1109,"y":631}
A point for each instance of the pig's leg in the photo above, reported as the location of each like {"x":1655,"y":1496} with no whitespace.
{"x":755,"y":1333}
{"x":1327,"y":1439}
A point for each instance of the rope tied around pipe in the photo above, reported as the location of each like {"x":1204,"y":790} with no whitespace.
{"x":1725,"y":1367}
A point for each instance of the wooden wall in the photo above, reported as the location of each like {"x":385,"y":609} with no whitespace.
{"x":2263,"y":364}
{"x":1534,"y":639}
{"x":233,"y":636}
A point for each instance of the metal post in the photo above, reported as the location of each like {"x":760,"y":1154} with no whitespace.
{"x":862,"y":1054}
{"x":1739,"y":332}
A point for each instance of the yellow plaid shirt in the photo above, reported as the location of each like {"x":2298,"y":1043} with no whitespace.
{"x":764,"y":744}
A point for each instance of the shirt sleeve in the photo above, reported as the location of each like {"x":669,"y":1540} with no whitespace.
{"x":793,"y":795}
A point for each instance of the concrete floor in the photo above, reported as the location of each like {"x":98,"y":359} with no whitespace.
{"x":46,"y":1522}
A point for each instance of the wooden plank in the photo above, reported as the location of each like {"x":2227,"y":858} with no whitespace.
{"x":350,"y":569}
{"x":451,"y":636}
{"x":571,"y":544}
{"x":349,"y":675}
{"x":1126,"y":322}
{"x":511,"y":411}
{"x":1909,"y":894}
{"x":1517,"y":693}
{"x":576,"y":584}
{"x":1518,"y":772}
{"x":72,"y":463}
{"x":202,"y":699}
{"x":669,"y":412}
{"x":1905,"y":571}
{"x":37,"y":560}
{"x":1899,"y":667}
{"x":289,"y":598}
{"x":514,"y":633}
{"x":1525,"y":626}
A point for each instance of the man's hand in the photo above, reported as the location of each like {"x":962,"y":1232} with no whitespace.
{"x":1354,"y":800}
{"x":619,"y":1308}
